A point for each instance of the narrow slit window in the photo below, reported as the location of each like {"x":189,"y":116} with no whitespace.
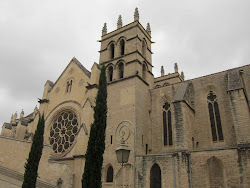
{"x":214,"y":115}
{"x":69,"y":86}
{"x":144,"y":71}
{"x":167,"y":125}
{"x":111,"y":139}
{"x":110,"y":74}
{"x":143,"y":48}
{"x":122,"y":47}
{"x":112,"y":51}
{"x":121,"y":70}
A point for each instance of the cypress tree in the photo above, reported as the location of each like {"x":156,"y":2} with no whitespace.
{"x":31,"y":166}
{"x":96,"y":145}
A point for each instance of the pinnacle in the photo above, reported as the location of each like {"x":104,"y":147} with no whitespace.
{"x":136,"y":14}
{"x":148,"y":29}
{"x":119,"y":22}
{"x":104,"y":29}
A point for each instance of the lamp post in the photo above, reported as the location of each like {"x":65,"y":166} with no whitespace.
{"x":122,"y":151}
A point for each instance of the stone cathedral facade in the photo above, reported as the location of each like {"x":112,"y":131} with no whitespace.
{"x":181,"y":133}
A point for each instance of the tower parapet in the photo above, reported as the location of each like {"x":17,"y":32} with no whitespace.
{"x":126,"y":51}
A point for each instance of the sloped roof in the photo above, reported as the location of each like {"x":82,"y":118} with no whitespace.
{"x":7,"y":126}
{"x":50,"y":83}
{"x":81,"y":67}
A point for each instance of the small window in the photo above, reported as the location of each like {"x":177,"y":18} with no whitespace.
{"x":111,"y":139}
{"x":110,"y":74}
{"x":122,"y":47}
{"x":143,"y":48}
{"x":121,"y":70}
{"x":167,"y":124}
{"x":144,"y":71}
{"x":69,"y":86}
{"x":214,"y":115}
{"x":110,"y":173}
{"x":142,"y":140}
{"x":112,"y":51}
{"x":146,"y":149}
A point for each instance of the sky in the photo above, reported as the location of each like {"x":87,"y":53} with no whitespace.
{"x":38,"y":38}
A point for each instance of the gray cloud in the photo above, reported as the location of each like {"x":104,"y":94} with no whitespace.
{"x":38,"y":39}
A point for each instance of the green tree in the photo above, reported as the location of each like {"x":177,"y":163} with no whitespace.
{"x":31,"y":166}
{"x":94,"y":156}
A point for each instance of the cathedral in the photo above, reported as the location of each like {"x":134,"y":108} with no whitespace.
{"x":179,"y":133}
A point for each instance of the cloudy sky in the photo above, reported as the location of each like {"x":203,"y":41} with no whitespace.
{"x":39,"y":38}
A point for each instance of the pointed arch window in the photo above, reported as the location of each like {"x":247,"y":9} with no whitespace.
{"x":155,"y":176}
{"x":122,"y":47}
{"x":112,"y":51}
{"x":69,"y":86}
{"x":214,"y":115}
{"x":121,"y":70}
{"x":110,"y":173}
{"x":167,"y":124}
{"x":110,"y":74}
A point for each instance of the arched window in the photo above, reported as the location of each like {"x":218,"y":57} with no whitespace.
{"x":215,"y":172}
{"x":155,"y":176}
{"x":167,"y":124}
{"x":214,"y":115}
{"x":122,"y":47}
{"x":110,"y":74}
{"x":143,"y":48}
{"x":144,"y":69}
{"x":69,"y":86}
{"x":121,"y":70}
{"x":110,"y":173}
{"x":112,"y":51}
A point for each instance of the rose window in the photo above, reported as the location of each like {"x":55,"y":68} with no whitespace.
{"x":63,"y":131}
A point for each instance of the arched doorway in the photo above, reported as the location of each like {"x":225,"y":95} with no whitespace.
{"x":215,"y":172}
{"x":155,"y":176}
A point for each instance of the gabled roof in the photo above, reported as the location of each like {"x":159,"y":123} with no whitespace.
{"x":79,"y":65}
{"x":97,"y":65}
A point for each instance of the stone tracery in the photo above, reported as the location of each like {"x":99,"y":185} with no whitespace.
{"x":63,"y":131}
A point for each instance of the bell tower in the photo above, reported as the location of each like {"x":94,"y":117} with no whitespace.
{"x":126,"y":51}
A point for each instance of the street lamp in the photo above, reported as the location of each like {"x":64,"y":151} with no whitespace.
{"x":122,"y":153}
